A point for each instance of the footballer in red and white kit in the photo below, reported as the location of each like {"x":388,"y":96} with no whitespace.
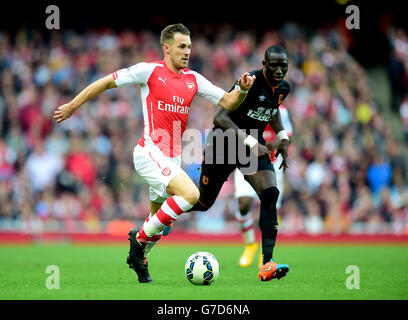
{"x":166,"y":100}
{"x":167,"y":90}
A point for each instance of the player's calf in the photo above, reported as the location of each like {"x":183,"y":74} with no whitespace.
{"x":191,"y":196}
{"x":269,"y":197}
{"x":169,"y":212}
{"x":268,"y":221}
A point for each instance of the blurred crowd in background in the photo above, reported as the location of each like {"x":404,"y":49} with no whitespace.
{"x":348,"y":169}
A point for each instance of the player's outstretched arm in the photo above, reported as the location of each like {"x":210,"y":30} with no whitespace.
{"x":66,"y":110}
{"x":232,"y":100}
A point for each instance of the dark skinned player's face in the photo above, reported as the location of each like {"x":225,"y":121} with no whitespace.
{"x":275,"y":67}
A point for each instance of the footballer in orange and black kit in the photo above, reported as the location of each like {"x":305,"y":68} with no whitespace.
{"x":248,"y":122}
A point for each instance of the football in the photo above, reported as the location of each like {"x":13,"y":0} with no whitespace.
{"x":202,"y":268}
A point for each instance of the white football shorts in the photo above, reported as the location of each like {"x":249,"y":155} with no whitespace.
{"x":156,"y":169}
{"x":280,"y":183}
{"x":242,"y":187}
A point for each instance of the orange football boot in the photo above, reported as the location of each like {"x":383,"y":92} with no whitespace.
{"x":272,"y":270}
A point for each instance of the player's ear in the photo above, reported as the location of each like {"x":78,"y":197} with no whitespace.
{"x":165,"y":47}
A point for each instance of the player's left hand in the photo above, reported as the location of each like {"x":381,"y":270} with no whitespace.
{"x":283,"y":150}
{"x":64,"y":112}
{"x":246,"y":81}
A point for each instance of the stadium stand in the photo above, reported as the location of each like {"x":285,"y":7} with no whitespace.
{"x":348,"y":165}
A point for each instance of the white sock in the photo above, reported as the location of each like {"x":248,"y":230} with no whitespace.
{"x":170,"y":211}
{"x":246,"y":224}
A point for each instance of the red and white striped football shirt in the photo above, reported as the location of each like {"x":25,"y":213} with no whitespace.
{"x":166,"y":100}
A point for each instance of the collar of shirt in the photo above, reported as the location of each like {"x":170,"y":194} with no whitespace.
{"x":269,"y":84}
{"x":171,"y":71}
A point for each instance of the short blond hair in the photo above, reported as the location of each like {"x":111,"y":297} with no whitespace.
{"x":168,"y":32}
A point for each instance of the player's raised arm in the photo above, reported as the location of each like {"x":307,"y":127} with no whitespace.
{"x":65,"y":111}
{"x":231,"y":100}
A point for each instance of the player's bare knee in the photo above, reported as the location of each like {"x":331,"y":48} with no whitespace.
{"x":269,"y":197}
{"x":192,"y":196}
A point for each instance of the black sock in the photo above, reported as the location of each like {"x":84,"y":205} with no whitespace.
{"x":268,"y":224}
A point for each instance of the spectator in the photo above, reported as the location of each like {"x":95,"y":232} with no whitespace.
{"x":403,"y":110}
{"x":43,"y":167}
{"x":379,"y":173}
{"x":313,"y":219}
{"x":317,"y":172}
{"x":80,"y":163}
{"x":348,"y":173}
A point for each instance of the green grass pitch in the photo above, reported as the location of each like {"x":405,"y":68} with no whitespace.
{"x":317,"y":272}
